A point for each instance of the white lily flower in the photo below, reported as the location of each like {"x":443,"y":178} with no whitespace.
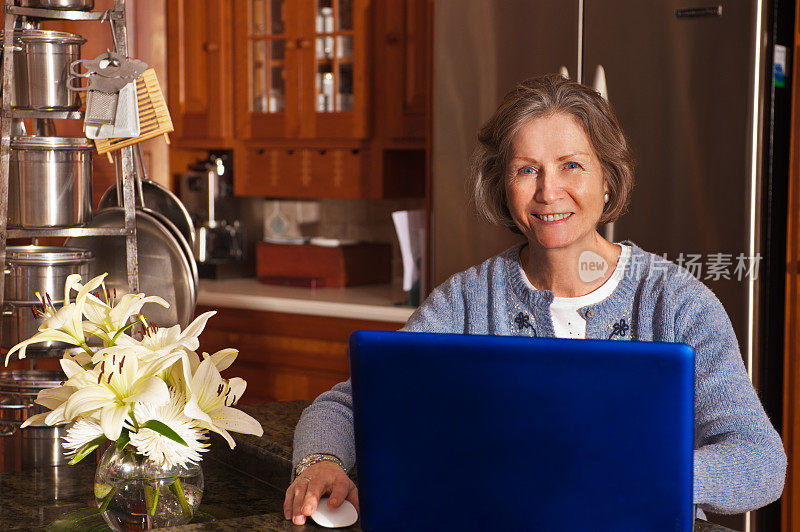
{"x":222,"y":359}
{"x":210,"y":402}
{"x":107,"y":318}
{"x":110,"y":389}
{"x":54,"y":399}
{"x":79,"y":434}
{"x":167,"y":341}
{"x":64,"y":324}
{"x":160,"y":448}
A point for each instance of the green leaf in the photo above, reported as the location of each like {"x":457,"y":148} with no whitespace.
{"x":123,"y":439}
{"x":87,"y":449}
{"x":122,"y":330}
{"x":164,"y":430}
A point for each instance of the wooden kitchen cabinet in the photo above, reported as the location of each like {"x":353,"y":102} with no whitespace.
{"x":301,"y":69}
{"x":200,"y":70}
{"x":317,"y":98}
{"x":284,"y":357}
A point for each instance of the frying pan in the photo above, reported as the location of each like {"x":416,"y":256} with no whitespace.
{"x":164,"y":268}
{"x":158,"y":198}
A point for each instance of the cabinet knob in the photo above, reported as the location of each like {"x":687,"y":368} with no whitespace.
{"x":210,"y":47}
{"x":303,"y":43}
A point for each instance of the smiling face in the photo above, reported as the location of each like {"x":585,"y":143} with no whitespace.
{"x":554,"y":183}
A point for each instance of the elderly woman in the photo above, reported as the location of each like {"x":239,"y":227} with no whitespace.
{"x":553,"y":164}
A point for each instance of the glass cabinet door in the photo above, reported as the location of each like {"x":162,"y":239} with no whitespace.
{"x":300,"y":69}
{"x":268,"y":56}
{"x":266,"y":63}
{"x":333,"y":69}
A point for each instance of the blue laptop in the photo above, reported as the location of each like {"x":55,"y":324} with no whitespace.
{"x":466,"y":432}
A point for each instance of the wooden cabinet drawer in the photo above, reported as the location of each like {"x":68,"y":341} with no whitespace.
{"x":302,"y":173}
{"x":284,"y":357}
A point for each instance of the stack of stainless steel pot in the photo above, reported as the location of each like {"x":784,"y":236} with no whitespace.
{"x":49,"y":177}
{"x":50,"y":182}
{"x":34,"y":446}
{"x":41,"y":67}
{"x":32,"y":269}
{"x":49,"y":186}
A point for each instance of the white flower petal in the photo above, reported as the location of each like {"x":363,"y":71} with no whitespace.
{"x":112,"y":417}
{"x":80,"y":433}
{"x":237,"y":386}
{"x":224,"y":358}
{"x":204,"y":384}
{"x":193,"y":410}
{"x":71,"y":368}
{"x":196,"y":327}
{"x":151,"y":390}
{"x":234,"y":419}
{"x":53,"y":397}
{"x":36,"y":420}
{"x":87,"y":400}
{"x":222,"y":432}
{"x":56,"y":416}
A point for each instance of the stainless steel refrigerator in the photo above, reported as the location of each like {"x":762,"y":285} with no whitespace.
{"x":692,"y":84}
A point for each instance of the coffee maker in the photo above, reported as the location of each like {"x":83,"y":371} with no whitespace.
{"x":227,"y":227}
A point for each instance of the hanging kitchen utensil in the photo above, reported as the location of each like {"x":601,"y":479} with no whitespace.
{"x":187,"y":250}
{"x":154,"y":119}
{"x":125,"y":123}
{"x":111,"y":106}
{"x":163,"y":266}
{"x":159,"y":199}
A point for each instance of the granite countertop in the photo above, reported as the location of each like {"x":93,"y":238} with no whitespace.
{"x":244,"y":488}
{"x":369,"y":302}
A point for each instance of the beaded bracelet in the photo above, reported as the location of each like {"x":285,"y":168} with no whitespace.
{"x":316,"y":458}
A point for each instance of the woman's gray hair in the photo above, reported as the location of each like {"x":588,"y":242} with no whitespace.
{"x":535,"y":98}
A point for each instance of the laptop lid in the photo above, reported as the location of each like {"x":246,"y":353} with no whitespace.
{"x":467,"y":432}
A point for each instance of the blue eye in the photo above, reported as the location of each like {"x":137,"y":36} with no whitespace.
{"x":573,"y":166}
{"x":527,"y":170}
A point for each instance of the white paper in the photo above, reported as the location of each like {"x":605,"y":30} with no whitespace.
{"x":410,"y":227}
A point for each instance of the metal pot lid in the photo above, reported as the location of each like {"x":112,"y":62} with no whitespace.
{"x":51,"y":143}
{"x":30,"y":379}
{"x":46,"y":36}
{"x":47,"y":255}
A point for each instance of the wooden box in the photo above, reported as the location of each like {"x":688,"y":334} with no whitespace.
{"x":318,"y":266}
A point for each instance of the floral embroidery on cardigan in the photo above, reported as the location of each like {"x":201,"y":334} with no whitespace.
{"x":620,"y":329}
{"x":523,"y":320}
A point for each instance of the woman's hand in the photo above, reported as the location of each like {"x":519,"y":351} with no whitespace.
{"x":315,"y":481}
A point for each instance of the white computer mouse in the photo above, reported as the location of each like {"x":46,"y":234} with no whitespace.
{"x":344,"y":515}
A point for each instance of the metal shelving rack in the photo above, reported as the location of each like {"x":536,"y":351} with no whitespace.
{"x":116,"y":16}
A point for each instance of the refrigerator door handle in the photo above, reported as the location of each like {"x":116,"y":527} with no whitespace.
{"x":564,"y":72}
{"x":599,"y":83}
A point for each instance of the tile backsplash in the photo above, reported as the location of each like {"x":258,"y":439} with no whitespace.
{"x":364,"y":220}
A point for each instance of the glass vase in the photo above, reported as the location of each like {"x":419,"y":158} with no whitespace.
{"x":136,"y":493}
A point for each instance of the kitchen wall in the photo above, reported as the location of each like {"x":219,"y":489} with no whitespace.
{"x":364,"y":220}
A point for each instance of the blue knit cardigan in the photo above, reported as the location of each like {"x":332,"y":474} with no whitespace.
{"x":739,"y":461}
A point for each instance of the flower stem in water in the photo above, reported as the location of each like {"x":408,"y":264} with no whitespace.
{"x":155,"y":499}
{"x":107,"y":500}
{"x":177,"y":488}
{"x":148,"y":498}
